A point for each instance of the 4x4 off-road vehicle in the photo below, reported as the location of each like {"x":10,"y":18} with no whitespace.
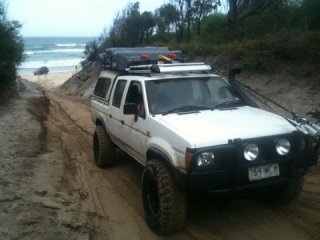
{"x":192,"y":130}
{"x":41,"y":71}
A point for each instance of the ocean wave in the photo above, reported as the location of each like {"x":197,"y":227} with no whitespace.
{"x":51,"y":63}
{"x":81,"y":50}
{"x":67,"y":50}
{"x":66,"y":44}
{"x":63,"y":45}
{"x":29,"y":53}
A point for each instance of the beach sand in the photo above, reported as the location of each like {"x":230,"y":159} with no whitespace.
{"x":51,"y":80}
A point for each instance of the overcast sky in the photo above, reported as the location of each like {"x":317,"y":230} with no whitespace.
{"x":69,"y":17}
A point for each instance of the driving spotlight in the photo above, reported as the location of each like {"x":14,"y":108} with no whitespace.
{"x":251,"y":152}
{"x":283,"y":146}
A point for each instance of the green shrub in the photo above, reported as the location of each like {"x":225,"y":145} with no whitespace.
{"x":11,"y":49}
{"x":270,"y":51}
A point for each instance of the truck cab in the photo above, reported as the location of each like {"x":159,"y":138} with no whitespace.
{"x":192,"y":130}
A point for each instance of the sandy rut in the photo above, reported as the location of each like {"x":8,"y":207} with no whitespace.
{"x":55,"y":191}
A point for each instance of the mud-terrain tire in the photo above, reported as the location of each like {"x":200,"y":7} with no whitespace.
{"x":103,"y":148}
{"x":287,"y":193}
{"x":164,"y":201}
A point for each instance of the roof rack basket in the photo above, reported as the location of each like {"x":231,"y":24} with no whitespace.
{"x":122,"y":58}
{"x":145,"y":60}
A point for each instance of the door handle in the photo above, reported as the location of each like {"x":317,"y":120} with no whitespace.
{"x":122,"y":122}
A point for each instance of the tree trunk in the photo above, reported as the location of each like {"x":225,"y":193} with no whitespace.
{"x":232,"y":19}
{"x":199,"y":27}
{"x":200,"y":17}
{"x":188,"y":19}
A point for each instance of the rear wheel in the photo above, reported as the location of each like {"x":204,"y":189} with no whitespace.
{"x":103,"y":148}
{"x":163,"y":200}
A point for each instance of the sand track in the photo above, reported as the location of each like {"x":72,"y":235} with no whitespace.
{"x":111,"y":200}
{"x":36,"y":201}
{"x":50,"y":187}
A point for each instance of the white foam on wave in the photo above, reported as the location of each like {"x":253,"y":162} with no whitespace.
{"x":51,"y":63}
{"x":66,"y":44}
{"x":81,"y":50}
{"x":29,"y":53}
{"x":70,"y":50}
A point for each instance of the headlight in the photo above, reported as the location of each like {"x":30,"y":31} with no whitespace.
{"x":251,"y":152}
{"x":205,"y":159}
{"x":283,"y":146}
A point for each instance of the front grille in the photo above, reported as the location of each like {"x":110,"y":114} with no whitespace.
{"x":231,"y":168}
{"x":230,"y":154}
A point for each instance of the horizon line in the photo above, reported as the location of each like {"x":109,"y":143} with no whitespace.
{"x":57,"y":36}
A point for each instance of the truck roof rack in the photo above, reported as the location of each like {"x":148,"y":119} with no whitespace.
{"x":145,"y":60}
{"x":122,"y":58}
{"x":169,"y":68}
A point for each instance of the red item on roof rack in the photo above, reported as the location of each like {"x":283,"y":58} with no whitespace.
{"x":122,"y":58}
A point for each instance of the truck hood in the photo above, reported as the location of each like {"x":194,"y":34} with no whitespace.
{"x":207,"y":128}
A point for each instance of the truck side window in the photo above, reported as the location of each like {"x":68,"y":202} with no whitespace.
{"x":118,"y":92}
{"x":135,"y":96}
{"x":102,"y":87}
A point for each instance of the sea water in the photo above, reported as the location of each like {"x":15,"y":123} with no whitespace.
{"x":59,"y":54}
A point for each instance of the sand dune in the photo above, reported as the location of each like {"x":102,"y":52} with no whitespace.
{"x":51,"y":80}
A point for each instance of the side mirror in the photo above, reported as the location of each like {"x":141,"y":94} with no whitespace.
{"x":232,"y":74}
{"x":130,"y":109}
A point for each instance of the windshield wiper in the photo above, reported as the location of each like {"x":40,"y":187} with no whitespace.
{"x":223,"y":104}
{"x":185,"y":108}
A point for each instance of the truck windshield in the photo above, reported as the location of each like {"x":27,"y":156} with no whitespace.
{"x":189,"y":94}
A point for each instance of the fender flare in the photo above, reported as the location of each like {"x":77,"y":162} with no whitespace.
{"x":180,"y":177}
{"x":153,"y":153}
{"x":100,"y":122}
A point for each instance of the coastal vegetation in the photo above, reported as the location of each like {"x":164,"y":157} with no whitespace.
{"x":258,"y":34}
{"x":11,"y":49}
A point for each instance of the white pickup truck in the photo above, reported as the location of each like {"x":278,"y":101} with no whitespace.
{"x":192,"y":130}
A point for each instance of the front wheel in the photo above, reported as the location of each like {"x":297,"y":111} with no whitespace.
{"x":288,"y":193}
{"x":103,"y":148}
{"x":163,"y":200}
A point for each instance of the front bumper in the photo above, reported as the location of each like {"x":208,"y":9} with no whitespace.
{"x":231,"y":173}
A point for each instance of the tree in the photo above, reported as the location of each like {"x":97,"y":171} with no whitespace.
{"x":147,"y":23}
{"x":91,"y":52}
{"x":180,"y":6}
{"x":215,"y":29}
{"x":201,"y":9}
{"x":129,"y":29}
{"x":239,"y":10}
{"x":189,"y":4}
{"x":311,"y":13}
{"x":115,"y":37}
{"x":11,"y":49}
{"x":166,"y":18}
{"x":132,"y":29}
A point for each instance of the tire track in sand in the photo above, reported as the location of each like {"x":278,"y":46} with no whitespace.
{"x":113,"y":203}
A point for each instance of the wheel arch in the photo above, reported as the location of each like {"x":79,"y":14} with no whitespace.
{"x":154,"y":153}
{"x":100,"y":122}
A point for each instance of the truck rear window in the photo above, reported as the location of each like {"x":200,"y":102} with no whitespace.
{"x":102,"y":87}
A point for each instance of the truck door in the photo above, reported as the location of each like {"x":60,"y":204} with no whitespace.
{"x":115,"y":116}
{"x":135,"y":126}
